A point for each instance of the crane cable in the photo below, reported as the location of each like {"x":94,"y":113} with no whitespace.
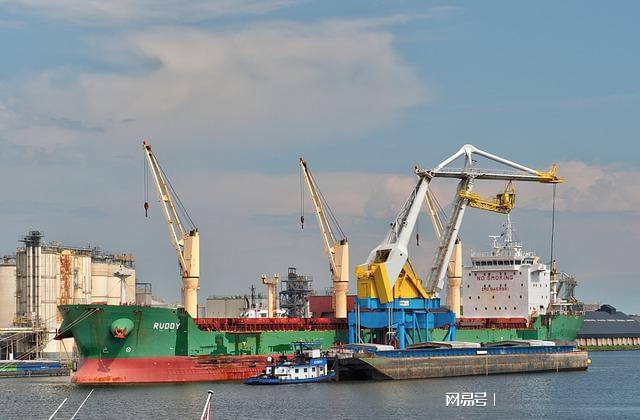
{"x":553,"y":220}
{"x":301,"y":198}
{"x":332,"y":217}
{"x":180,"y":206}
{"x":145,"y":168}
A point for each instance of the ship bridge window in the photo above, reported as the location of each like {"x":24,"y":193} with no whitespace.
{"x":483,"y":263}
{"x":518,"y":262}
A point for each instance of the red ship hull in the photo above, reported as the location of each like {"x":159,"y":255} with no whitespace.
{"x":168,"y":369}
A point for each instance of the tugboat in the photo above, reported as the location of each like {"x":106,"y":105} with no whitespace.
{"x":308,"y":365}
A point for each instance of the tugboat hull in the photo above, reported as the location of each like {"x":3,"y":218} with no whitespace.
{"x":276,"y":381}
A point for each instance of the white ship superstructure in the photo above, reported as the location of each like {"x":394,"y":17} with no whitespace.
{"x":505,"y":282}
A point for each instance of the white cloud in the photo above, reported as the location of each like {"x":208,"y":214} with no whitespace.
{"x":280,"y":83}
{"x":587,"y":189}
{"x":92,"y":12}
{"x":350,"y":194}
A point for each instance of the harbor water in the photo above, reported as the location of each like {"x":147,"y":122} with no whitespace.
{"x":608,"y":389}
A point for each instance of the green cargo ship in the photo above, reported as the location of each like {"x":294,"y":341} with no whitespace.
{"x":139,"y":344}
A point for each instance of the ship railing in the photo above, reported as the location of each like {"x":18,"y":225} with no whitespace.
{"x":503,"y":253}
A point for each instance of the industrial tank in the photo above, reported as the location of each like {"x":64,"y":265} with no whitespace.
{"x":113,"y":287}
{"x":8,"y":288}
{"x":106,"y":286}
{"x":82,"y":279}
{"x":99,"y":282}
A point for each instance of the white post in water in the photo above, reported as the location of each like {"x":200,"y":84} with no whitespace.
{"x":58,"y":409}
{"x":81,"y":405}
{"x":206,"y":411}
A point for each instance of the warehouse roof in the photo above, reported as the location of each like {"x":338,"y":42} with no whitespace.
{"x":608,"y":322}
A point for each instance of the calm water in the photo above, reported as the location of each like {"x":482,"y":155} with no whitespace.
{"x":609,"y":389}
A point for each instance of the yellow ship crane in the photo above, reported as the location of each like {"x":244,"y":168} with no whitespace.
{"x":185,"y":242}
{"x":337,"y":249}
{"x":503,"y":203}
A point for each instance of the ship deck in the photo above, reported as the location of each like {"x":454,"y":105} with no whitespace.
{"x":270,"y":324}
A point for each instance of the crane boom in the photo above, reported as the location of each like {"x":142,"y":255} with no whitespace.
{"x":454,"y":268}
{"x":389,"y":260}
{"x":337,"y":249}
{"x":467,"y":175}
{"x":433,"y":213}
{"x":447,"y":239}
{"x":186,"y":243}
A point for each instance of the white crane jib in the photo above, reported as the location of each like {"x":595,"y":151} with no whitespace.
{"x":393,"y":249}
{"x":388,"y":262}
{"x":185,"y":242}
{"x":467,"y":175}
{"x":337,"y":249}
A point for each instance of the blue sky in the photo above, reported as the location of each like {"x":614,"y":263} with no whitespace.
{"x":230,"y":93}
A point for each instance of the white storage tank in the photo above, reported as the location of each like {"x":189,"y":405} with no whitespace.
{"x":82,"y":279}
{"x":8,"y":288}
{"x":113,"y":286}
{"x":106,"y":285}
{"x":99,"y":282}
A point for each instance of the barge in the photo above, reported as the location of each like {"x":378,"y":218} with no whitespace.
{"x":509,"y":357}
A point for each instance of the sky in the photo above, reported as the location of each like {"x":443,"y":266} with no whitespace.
{"x":231,"y":93}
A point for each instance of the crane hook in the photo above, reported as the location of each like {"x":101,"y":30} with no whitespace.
{"x":301,"y":222}
{"x":417,"y":239}
{"x":146,"y":208}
